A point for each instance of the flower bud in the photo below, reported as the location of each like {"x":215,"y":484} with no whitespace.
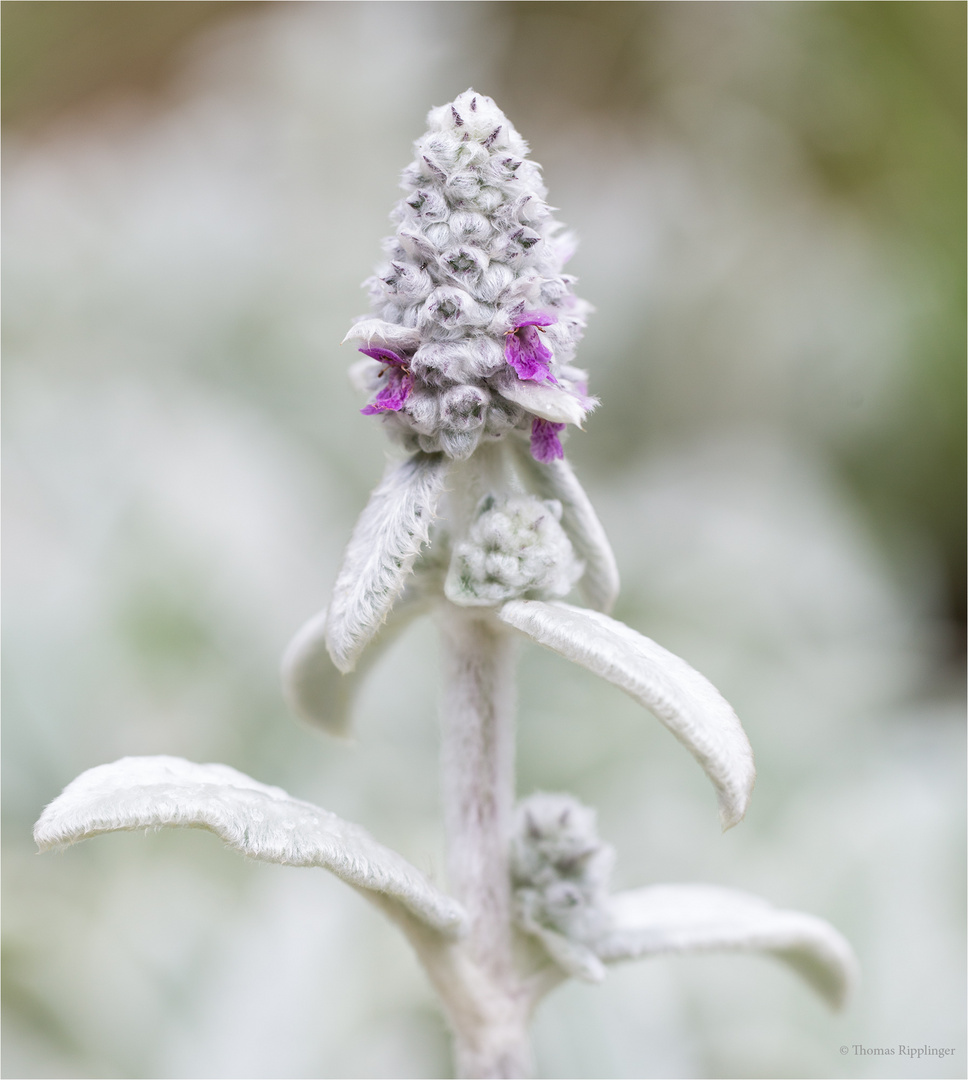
{"x":515,"y":549}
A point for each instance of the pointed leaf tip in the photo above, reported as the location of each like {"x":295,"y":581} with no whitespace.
{"x":682,"y":699}
{"x":255,"y":819}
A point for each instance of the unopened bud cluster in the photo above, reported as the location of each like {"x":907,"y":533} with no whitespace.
{"x":560,"y":869}
{"x":515,"y":548}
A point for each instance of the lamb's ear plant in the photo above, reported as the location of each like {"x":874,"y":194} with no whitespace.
{"x":468,"y":365}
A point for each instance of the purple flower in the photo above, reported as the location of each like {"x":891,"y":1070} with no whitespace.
{"x":545,"y":444}
{"x":398,"y":385}
{"x":525,"y":351}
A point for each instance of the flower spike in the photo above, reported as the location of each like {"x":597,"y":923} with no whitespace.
{"x":473,"y":317}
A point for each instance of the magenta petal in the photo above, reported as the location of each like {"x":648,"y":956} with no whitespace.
{"x":545,"y":444}
{"x":385,"y":356}
{"x":525,"y":351}
{"x":527,"y":354}
{"x":531,"y":341}
{"x":393,"y":396}
{"x":535,"y":318}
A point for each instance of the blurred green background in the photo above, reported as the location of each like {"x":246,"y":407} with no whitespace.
{"x":770,"y":199}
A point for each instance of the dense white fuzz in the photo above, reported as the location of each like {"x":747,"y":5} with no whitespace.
{"x":514,"y":548}
{"x":477,"y":772}
{"x":489,"y":1005}
{"x":474,"y":281}
{"x":381,"y":553}
{"x":698,"y":918}
{"x":556,"y":480}
{"x":685,"y":701}
{"x":259,"y":821}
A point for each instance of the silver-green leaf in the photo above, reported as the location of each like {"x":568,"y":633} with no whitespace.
{"x":256,"y":820}
{"x":700,"y":918}
{"x":682,"y":699}
{"x":386,"y":541}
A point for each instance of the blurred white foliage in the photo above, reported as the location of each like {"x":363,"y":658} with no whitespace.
{"x":177,"y":421}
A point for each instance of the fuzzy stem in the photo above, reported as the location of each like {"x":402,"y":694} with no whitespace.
{"x":490,"y":1014}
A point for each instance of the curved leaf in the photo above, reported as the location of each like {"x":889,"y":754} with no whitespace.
{"x":556,"y":480}
{"x":698,"y":918}
{"x":256,"y":820}
{"x":388,"y":536}
{"x":685,"y":701}
{"x":314,"y":687}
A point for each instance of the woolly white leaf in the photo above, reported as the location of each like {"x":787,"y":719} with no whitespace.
{"x":379,"y":558}
{"x":696,"y":918}
{"x":544,"y":400}
{"x":315,"y":689}
{"x":556,"y":480}
{"x":377,"y":332}
{"x":256,"y":820}
{"x":685,"y":701}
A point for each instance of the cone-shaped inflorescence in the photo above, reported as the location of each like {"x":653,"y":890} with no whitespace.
{"x":474,"y":325}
